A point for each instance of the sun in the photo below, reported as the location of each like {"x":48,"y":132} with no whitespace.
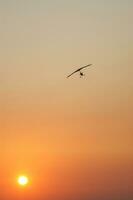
{"x":23,"y":180}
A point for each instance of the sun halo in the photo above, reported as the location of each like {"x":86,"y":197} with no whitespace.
{"x":23,"y":180}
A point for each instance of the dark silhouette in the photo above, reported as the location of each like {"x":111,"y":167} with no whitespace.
{"x":79,"y":70}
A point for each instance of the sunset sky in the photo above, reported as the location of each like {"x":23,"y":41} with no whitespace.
{"x":73,"y":137}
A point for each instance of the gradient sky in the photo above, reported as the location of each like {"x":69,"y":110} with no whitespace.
{"x":73,"y":137}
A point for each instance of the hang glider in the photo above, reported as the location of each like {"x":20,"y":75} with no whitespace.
{"x":79,"y":70}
